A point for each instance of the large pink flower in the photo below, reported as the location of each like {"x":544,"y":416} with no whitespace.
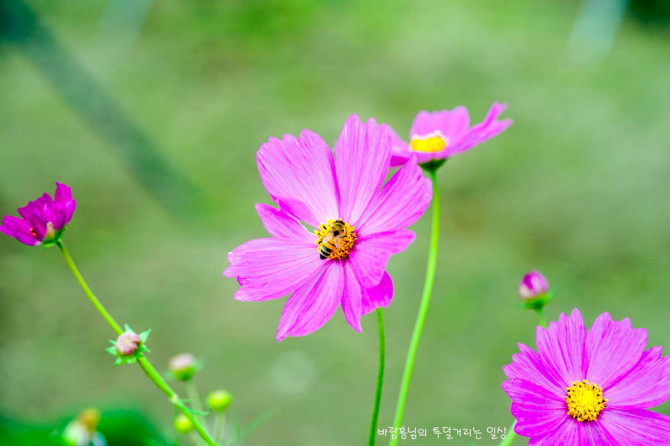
{"x":43,"y":220}
{"x":360,"y":224}
{"x":589,"y":388}
{"x":443,"y":134}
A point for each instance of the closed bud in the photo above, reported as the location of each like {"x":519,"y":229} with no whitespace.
{"x":182,"y":424}
{"x":532,"y":286}
{"x":128,"y":343}
{"x":219,"y":400}
{"x":183,"y":366}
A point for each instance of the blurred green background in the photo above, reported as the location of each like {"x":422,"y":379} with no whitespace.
{"x":577,"y":187}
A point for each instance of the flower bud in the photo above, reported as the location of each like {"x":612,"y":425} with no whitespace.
{"x":182,"y":424}
{"x":532,"y":286}
{"x":183,"y":366}
{"x":219,"y":400}
{"x":128,"y":343}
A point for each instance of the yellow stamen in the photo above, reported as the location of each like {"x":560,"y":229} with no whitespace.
{"x":585,"y":401}
{"x":432,"y":142}
{"x":335,"y":239}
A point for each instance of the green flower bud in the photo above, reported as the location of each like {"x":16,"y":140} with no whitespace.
{"x":183,"y":366}
{"x":182,"y":424}
{"x":219,"y":400}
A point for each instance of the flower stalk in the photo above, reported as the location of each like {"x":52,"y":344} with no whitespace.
{"x":425,"y":301}
{"x":143,"y":362}
{"x":380,"y":377}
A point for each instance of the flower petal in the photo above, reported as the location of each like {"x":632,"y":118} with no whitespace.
{"x":561,"y":347}
{"x":536,"y":409}
{"x":646,"y":385}
{"x":636,"y":427}
{"x":481,"y":132}
{"x":298,"y":173}
{"x":362,"y":159}
{"x":612,"y":349}
{"x":371,"y":254}
{"x":282,"y":225}
{"x":528,"y":366}
{"x":379,"y":296}
{"x":313,"y":304}
{"x":352,"y":299}
{"x":400,"y":203}
{"x":451,"y":123}
{"x":63,"y":192}
{"x":572,"y":432}
{"x":270,"y":268}
{"x":19,"y":229}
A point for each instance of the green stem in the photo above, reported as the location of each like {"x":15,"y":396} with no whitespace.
{"x":423,"y":309}
{"x":380,"y":377}
{"x":511,"y":435}
{"x":94,"y":300}
{"x":143,"y":362}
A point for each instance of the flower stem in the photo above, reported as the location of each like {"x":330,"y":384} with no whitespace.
{"x":143,"y":362}
{"x":380,"y":377}
{"x":94,"y":300}
{"x":511,"y":435}
{"x":423,"y":309}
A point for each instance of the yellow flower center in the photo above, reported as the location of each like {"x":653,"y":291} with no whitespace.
{"x":432,"y":142}
{"x":585,"y":401}
{"x":335,"y":239}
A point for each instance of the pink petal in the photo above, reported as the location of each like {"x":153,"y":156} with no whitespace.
{"x":371,"y":254}
{"x":362,"y":159}
{"x":313,"y":304}
{"x":352,"y":299}
{"x":537,"y":410}
{"x":481,"y":132}
{"x":451,"y":123}
{"x":612,"y":349}
{"x":299,"y":176}
{"x":17,"y":228}
{"x":561,"y":347}
{"x":63,"y":192}
{"x":528,"y":366}
{"x":270,"y":268}
{"x":646,"y":385}
{"x":572,"y":432}
{"x":282,"y":225}
{"x":400,"y":203}
{"x":379,"y":296}
{"x":636,"y":427}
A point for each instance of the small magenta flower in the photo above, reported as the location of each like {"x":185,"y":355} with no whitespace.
{"x":128,"y":343}
{"x":533,"y":285}
{"x":443,"y":134}
{"x":589,"y":388}
{"x":42,"y":221}
{"x":360,"y":223}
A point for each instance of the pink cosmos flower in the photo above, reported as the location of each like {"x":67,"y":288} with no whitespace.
{"x":589,"y":388}
{"x":443,"y":134}
{"x":43,"y":220}
{"x":360,"y":223}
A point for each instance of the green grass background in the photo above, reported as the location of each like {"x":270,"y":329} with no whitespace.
{"x":577,"y":187}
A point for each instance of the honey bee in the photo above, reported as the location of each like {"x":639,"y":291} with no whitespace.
{"x":331,"y":241}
